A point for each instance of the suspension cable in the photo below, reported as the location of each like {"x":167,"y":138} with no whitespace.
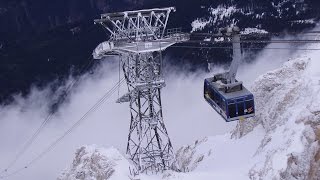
{"x":119,"y":74}
{"x":247,"y":48}
{"x":307,"y":33}
{"x":30,"y":141}
{"x":73,"y":127}
{"x":284,"y":41}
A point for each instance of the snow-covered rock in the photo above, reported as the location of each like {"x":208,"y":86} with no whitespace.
{"x":253,"y":30}
{"x":288,"y":108}
{"x":188,"y":157}
{"x":216,"y":15}
{"x":271,"y":15}
{"x":93,"y":163}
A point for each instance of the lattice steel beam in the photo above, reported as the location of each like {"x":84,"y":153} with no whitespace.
{"x":135,"y":25}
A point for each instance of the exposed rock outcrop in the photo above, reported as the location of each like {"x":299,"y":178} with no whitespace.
{"x":92,"y":163}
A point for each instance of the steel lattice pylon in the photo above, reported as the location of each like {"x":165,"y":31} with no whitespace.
{"x":138,"y":37}
{"x":148,"y":145}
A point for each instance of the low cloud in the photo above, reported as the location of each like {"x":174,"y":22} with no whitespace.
{"x":186,"y":114}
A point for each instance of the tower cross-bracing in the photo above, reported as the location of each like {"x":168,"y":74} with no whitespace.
{"x":138,"y":37}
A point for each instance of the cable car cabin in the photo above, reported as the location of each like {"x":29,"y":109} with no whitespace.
{"x":235,"y":105}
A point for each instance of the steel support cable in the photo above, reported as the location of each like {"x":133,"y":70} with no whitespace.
{"x":270,"y":48}
{"x":297,"y":41}
{"x":45,"y":121}
{"x":262,"y":34}
{"x":286,"y":41}
{"x":254,"y":33}
{"x":119,"y":74}
{"x":73,"y":127}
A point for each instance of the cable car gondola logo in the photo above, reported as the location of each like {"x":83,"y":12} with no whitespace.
{"x":250,"y":110}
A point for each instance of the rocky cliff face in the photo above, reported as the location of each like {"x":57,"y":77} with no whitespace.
{"x":288,"y":109}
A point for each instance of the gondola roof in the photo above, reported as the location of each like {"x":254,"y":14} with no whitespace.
{"x":230,"y":95}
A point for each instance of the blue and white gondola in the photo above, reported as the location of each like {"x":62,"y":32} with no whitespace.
{"x":232,"y":106}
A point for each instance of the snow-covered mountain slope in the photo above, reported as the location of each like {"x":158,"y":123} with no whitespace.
{"x":273,"y":15}
{"x":91,"y":162}
{"x":281,"y":142}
